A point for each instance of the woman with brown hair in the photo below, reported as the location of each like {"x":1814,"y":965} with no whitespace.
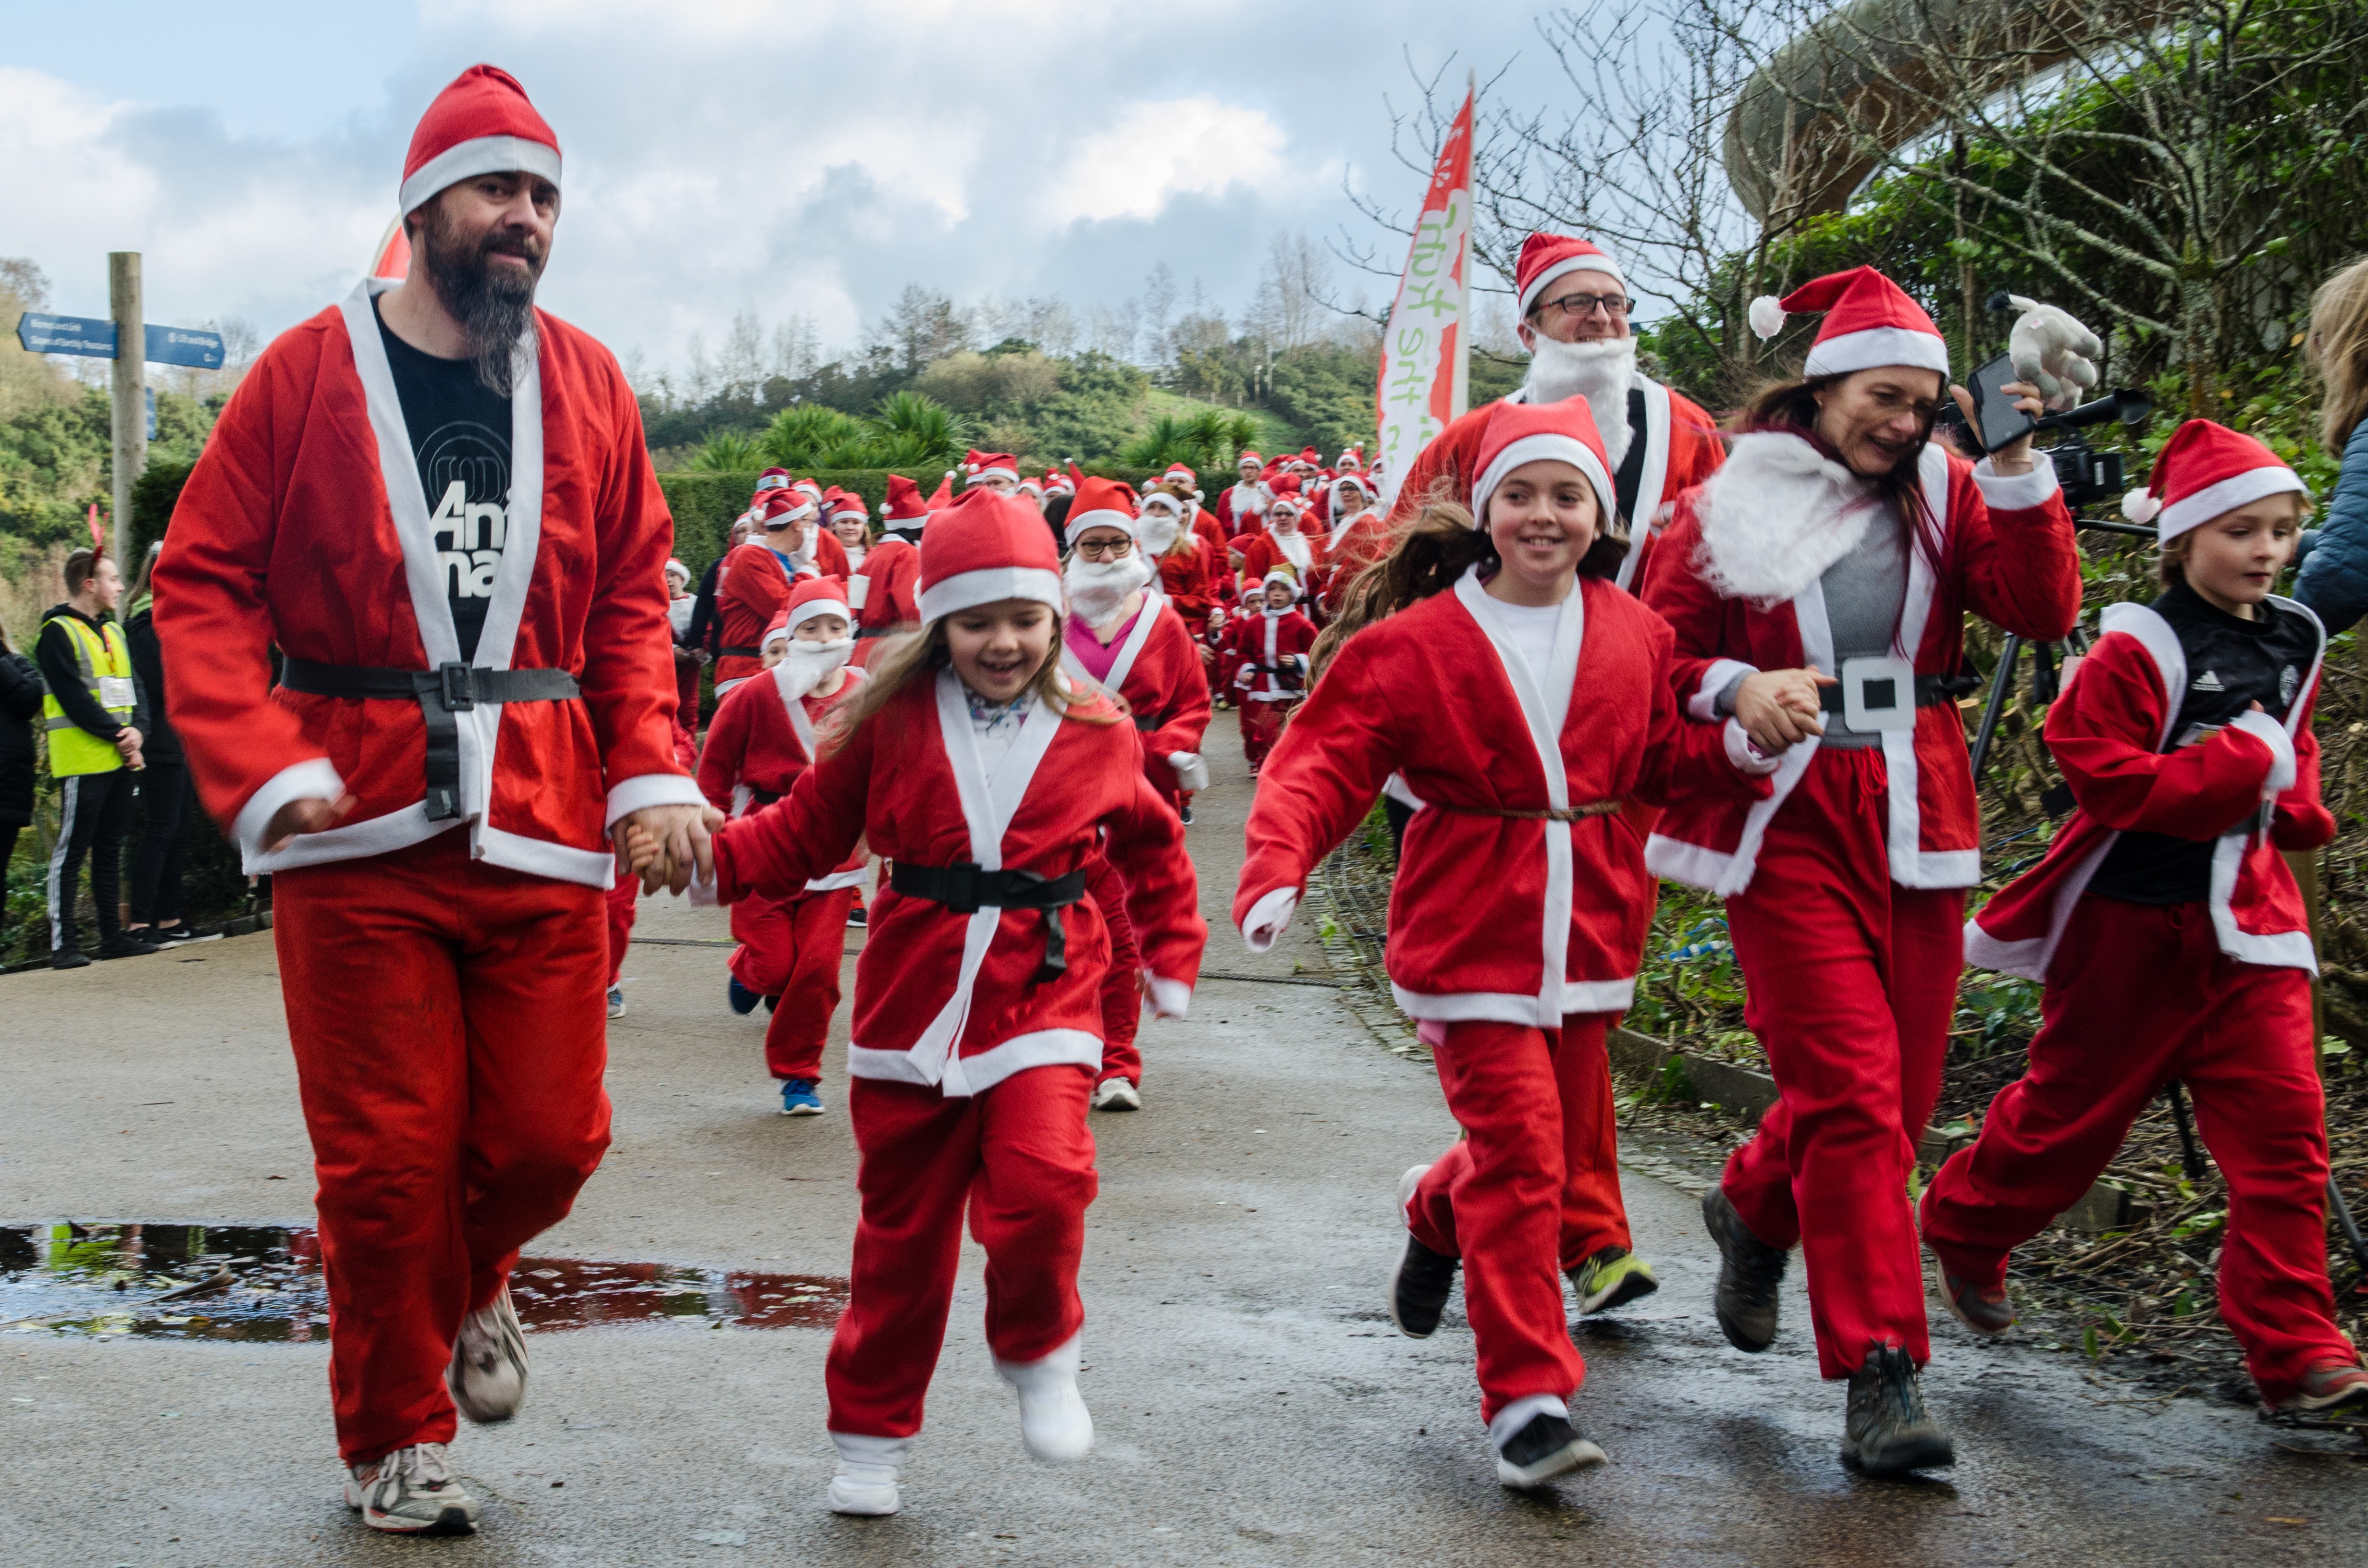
{"x":1837,"y":541}
{"x":2334,"y":577}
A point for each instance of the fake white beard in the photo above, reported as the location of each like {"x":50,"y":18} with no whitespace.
{"x":808,"y":664}
{"x":804,"y":553}
{"x":1159,"y":531}
{"x":1775,"y":514}
{"x":1097,"y":588}
{"x":1294,"y":546}
{"x":1600,"y":372}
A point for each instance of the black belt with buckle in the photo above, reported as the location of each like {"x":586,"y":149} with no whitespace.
{"x":1930,"y":691}
{"x":441,"y":692}
{"x":968,"y":887}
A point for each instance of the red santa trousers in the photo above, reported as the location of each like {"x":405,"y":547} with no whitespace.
{"x":1851,"y":982}
{"x":1020,"y":1158}
{"x":1261,"y":726}
{"x":1122,"y":981}
{"x":792,"y":949}
{"x":622,"y":904}
{"x":2138,"y":996}
{"x":1500,"y":1198}
{"x":450,"y":1032}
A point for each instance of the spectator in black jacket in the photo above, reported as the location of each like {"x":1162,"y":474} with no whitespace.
{"x":96,"y":719}
{"x":20,"y":704}
{"x":167,"y":796}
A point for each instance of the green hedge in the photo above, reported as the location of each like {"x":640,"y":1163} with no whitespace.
{"x":704,"y":504}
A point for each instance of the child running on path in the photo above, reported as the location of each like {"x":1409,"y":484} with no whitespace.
{"x":1522,"y":899}
{"x":1267,"y":650}
{"x":972,"y":764}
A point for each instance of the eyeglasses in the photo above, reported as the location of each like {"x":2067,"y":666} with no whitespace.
{"x":1106,"y":550}
{"x":1583,"y":305}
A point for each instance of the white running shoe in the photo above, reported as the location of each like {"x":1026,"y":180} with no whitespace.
{"x":616,"y":1001}
{"x":1052,"y":1419}
{"x":412,"y":1491}
{"x":867,"y":1467}
{"x":1117,"y":1094}
{"x":1407,"y":1185}
{"x":487,"y":1377}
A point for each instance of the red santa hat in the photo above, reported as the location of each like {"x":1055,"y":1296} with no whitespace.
{"x":1284,"y":575}
{"x":2203,"y":471}
{"x":1545,"y":258}
{"x":1521,"y":432}
{"x":904,"y":508}
{"x":813,"y":596}
{"x":1249,"y":455}
{"x":776,"y":630}
{"x":1870,"y":320}
{"x":984,"y":549}
{"x":1059,"y":484}
{"x":837,"y":504}
{"x":981,"y":465}
{"x":811,"y":487}
{"x":1102,"y":504}
{"x":1283,"y":491}
{"x":772,"y":479}
{"x":1356,"y":482}
{"x":1180,"y":473}
{"x":782,"y":508}
{"x":480,"y":124}
{"x":1161,"y":499}
{"x":677,"y":567}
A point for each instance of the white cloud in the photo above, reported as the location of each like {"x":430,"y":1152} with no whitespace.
{"x":1156,"y":151}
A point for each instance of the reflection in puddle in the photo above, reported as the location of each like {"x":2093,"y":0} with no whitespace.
{"x":263,"y":1282}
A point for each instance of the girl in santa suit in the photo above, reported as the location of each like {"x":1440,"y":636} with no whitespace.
{"x":850,"y":522}
{"x":1521,"y":900}
{"x":2169,"y":931}
{"x":762,"y":739}
{"x":1283,"y":543}
{"x":1267,"y":650}
{"x":1837,"y":541}
{"x":989,"y":780}
{"x":1358,"y":539}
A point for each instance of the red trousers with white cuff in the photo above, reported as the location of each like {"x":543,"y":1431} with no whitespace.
{"x":1122,"y":981}
{"x":2139,"y":994}
{"x":793,"y":948}
{"x":1528,"y":1176}
{"x":1020,"y":1159}
{"x":1851,"y":983}
{"x":450,"y":1026}
{"x":1261,"y":726}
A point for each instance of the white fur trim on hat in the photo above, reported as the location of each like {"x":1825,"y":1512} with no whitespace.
{"x":772,"y":634}
{"x":678,"y":566}
{"x":789,"y":514}
{"x":813,"y":607}
{"x":1540,"y":448}
{"x":1568,"y":265}
{"x":2237,"y":490}
{"x":479,"y":156}
{"x":1767,"y":316}
{"x":1100,"y":517}
{"x":1280,"y":575}
{"x":2140,"y":507}
{"x":997,"y":471}
{"x":968,"y":590}
{"x":1877,"y":345}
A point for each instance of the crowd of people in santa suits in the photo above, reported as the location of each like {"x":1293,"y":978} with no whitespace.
{"x":1595,"y":641}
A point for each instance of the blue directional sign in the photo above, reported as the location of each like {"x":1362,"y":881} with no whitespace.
{"x":94,"y":339}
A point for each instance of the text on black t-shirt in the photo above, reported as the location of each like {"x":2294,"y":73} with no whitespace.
{"x":460,"y":431}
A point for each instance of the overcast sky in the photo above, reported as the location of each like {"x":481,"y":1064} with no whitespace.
{"x":785,"y":155}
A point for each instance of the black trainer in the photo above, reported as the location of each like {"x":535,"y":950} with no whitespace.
{"x":69,"y":957}
{"x":1888,"y":1431}
{"x":1549,"y":1446}
{"x":122,"y":946}
{"x":1749,"y":1270}
{"x":1419,"y":1286}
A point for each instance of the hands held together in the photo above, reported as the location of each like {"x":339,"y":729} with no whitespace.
{"x":667,"y":846}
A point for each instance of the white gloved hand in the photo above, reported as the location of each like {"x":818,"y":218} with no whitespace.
{"x":1269,"y":918}
{"x":1191,"y":772}
{"x":2053,"y":352}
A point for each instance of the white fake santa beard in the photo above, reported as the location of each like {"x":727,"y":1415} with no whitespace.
{"x":1294,"y":546}
{"x":1097,"y":589}
{"x":808,"y":664}
{"x":1598,"y":371}
{"x":1159,"y":532}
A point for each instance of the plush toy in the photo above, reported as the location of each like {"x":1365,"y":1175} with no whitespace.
{"x":2052,"y":352}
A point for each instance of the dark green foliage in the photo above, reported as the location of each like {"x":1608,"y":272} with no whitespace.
{"x":153,"y":496}
{"x":1329,"y":392}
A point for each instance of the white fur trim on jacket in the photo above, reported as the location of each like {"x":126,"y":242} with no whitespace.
{"x":2272,"y":735}
{"x":315,"y":779}
{"x":1269,"y":918}
{"x":1775,"y":514}
{"x":629,"y":795}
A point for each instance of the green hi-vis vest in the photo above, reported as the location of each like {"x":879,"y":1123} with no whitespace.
{"x":105,"y":663}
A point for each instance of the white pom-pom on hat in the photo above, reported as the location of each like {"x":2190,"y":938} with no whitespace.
{"x":2140,"y":506}
{"x":1767,"y":316}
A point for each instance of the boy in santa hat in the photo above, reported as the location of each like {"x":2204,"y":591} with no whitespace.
{"x":764,"y":735}
{"x":433,"y":776}
{"x":989,"y":780}
{"x":2167,"y":929}
{"x":1267,"y":650}
{"x":1285,"y":541}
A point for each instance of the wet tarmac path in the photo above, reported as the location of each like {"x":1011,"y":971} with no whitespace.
{"x":1253,"y":1405}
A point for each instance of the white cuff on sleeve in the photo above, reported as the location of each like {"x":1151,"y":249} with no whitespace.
{"x":315,"y":779}
{"x":2016,"y":492}
{"x":702,"y":894}
{"x":1192,"y":771}
{"x":2272,"y":735}
{"x":627,"y":796}
{"x":1169,"y":998}
{"x":1702,"y":704}
{"x":1269,"y":917}
{"x":1747,"y":758}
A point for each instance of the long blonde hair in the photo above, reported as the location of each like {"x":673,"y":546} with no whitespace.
{"x":919,"y":655}
{"x":2337,"y":347}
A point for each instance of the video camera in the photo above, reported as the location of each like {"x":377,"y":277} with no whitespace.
{"x":2089,"y":476}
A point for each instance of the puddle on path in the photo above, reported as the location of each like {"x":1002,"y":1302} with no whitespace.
{"x":263,"y":1282}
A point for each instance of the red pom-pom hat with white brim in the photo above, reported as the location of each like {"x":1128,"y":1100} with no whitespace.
{"x":480,"y":124}
{"x":1521,"y":432}
{"x":1101,"y":503}
{"x":2203,"y":469}
{"x":1546,"y":257}
{"x":1869,"y":323}
{"x":986,"y":547}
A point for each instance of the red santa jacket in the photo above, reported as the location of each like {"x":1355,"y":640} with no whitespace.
{"x":303,"y":526}
{"x":759,"y":743}
{"x":2112,"y":732}
{"x":2009,"y":557}
{"x":751,"y":590}
{"x":953,"y":999}
{"x":1492,"y":915}
{"x":892,"y":573}
{"x":1347,"y":552}
{"x":1184,"y":581}
{"x":1233,"y":509}
{"x":1157,"y":670}
{"x":1263,"y":551}
{"x":1681,"y":449}
{"x":1256,"y":643}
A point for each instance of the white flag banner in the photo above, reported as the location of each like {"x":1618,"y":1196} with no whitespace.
{"x":1424,"y":350}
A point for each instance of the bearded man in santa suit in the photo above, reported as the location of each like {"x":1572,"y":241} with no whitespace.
{"x":1575,"y":309}
{"x":435,"y":502}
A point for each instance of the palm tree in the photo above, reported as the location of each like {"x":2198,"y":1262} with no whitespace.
{"x":727,"y":453}
{"x":931,"y":431}
{"x":805,"y":436}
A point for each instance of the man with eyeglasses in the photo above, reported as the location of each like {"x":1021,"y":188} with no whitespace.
{"x":1574,"y":322}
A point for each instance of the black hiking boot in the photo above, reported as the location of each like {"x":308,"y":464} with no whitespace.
{"x":1749,"y":1270}
{"x":1888,"y":1432}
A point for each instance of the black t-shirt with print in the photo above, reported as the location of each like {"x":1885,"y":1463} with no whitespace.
{"x":460,"y":438}
{"x":2231,"y":664}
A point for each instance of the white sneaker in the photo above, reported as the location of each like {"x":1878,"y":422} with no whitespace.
{"x":487,"y":1376}
{"x":866,"y":1482}
{"x":616,"y":1001}
{"x":412,"y":1491}
{"x":1053,"y":1420}
{"x":1406,"y":1185}
{"x":1117,"y":1094}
